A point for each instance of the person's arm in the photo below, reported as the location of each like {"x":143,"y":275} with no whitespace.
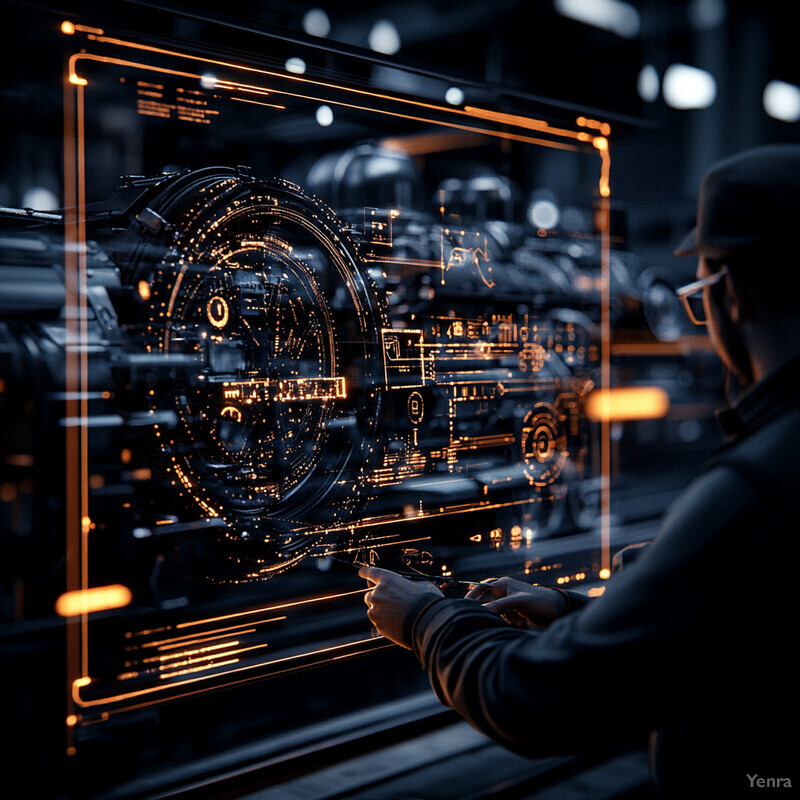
{"x":614,"y":670}
{"x":453,"y":638}
{"x":394,"y":603}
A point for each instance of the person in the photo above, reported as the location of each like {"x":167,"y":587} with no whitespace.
{"x":691,"y":646}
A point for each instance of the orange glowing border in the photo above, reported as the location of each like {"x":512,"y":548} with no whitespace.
{"x":469,"y":120}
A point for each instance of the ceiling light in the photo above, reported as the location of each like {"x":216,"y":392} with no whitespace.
{"x":316,"y":22}
{"x":384,"y":37}
{"x":324,"y":116}
{"x":686,"y":87}
{"x":454,"y":96}
{"x":782,"y":101}
{"x":610,"y":15}
{"x":647,"y":83}
{"x":295,"y":65}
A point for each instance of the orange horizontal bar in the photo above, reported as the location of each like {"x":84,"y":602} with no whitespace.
{"x":627,"y":403}
{"x":423,"y":144}
{"x":521,"y":122}
{"x":98,"y":598}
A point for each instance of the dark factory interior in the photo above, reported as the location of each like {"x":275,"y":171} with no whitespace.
{"x":288,"y":288}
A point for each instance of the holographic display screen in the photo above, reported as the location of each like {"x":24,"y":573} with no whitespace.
{"x":308,"y":315}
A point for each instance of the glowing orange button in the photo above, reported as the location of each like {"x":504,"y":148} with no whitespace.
{"x":627,"y":403}
{"x":98,"y":598}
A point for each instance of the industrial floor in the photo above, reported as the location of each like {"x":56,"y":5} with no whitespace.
{"x":457,"y":763}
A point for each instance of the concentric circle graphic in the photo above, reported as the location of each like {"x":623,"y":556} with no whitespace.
{"x":544,"y":444}
{"x":268,"y":328}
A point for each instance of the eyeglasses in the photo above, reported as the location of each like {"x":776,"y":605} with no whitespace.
{"x":691,"y":296}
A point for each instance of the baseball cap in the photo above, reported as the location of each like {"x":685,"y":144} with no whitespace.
{"x":747,"y":201}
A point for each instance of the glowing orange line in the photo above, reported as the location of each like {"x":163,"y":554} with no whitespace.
{"x":522,"y":122}
{"x":72,"y":504}
{"x":75,"y":57}
{"x":83,"y":338}
{"x":214,"y":655}
{"x":199,"y":669}
{"x":87,"y":29}
{"x":601,"y":143}
{"x":234,"y":86}
{"x":373,"y":523}
{"x":244,"y":87}
{"x":79,"y":683}
{"x":406,"y":262}
{"x":605,"y":361}
{"x":376,"y":638}
{"x":163,"y":643}
{"x":268,"y":608}
{"x":191,"y":642}
{"x":191,"y":693}
{"x":256,"y":103}
{"x":374,"y":544}
{"x":449,"y":110}
{"x":173,"y":295}
{"x":489,"y":438}
{"x":188,"y":653}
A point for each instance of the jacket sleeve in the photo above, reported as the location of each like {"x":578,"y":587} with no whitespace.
{"x":615,"y":670}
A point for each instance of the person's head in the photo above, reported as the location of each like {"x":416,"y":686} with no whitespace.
{"x":748,"y":216}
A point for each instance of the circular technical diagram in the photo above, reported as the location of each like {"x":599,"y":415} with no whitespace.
{"x":415,"y":407}
{"x":544,"y":444}
{"x":218,"y":311}
{"x":272,"y":329}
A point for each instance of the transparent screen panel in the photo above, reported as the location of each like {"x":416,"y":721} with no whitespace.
{"x":319,"y":321}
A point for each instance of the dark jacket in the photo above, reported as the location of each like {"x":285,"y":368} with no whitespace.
{"x":694,"y":640}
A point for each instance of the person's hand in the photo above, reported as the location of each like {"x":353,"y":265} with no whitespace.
{"x":519,"y":603}
{"x":390,"y":598}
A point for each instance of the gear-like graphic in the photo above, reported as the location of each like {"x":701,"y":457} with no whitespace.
{"x":271,"y":326}
{"x":544,"y":444}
